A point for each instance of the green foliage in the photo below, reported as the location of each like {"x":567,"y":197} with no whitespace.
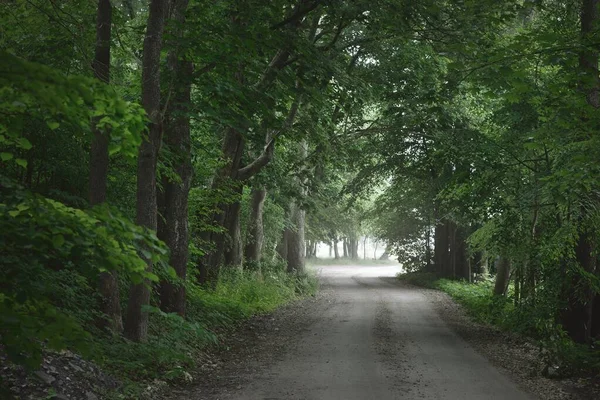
{"x":175,"y":344}
{"x":51,"y":256}
{"x":30,"y":90}
{"x":537,"y":322}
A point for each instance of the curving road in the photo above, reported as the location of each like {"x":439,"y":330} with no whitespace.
{"x":377,"y":340}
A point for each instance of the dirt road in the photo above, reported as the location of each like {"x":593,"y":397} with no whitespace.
{"x":376,"y":339}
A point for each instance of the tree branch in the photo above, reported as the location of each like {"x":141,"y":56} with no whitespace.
{"x":266,"y":156}
{"x":298,"y":14}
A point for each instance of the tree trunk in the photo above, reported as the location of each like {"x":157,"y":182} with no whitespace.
{"x":460,"y":268}
{"x":345,"y":247}
{"x":282,"y":246}
{"x":108,"y":284}
{"x":365,"y":248}
{"x":577,"y":319}
{"x":295,"y":241}
{"x":385,"y":255}
{"x":295,"y":236}
{"x":336,"y":251}
{"x":175,"y":196}
{"x":136,"y":324}
{"x":502,"y":276}
{"x":227,"y":216}
{"x":442,"y":255}
{"x":256,"y":236}
{"x":232,"y":257}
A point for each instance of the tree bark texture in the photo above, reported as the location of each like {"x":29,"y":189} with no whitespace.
{"x":256,"y":234}
{"x":577,"y":319}
{"x":385,"y":255}
{"x":108,"y":284}
{"x":295,"y":241}
{"x":233,"y":255}
{"x":282,"y":246}
{"x":336,"y":252}
{"x":458,"y":253}
{"x":502,"y":276}
{"x":232,"y":149}
{"x":136,"y":323}
{"x":442,"y":248}
{"x":176,"y":192}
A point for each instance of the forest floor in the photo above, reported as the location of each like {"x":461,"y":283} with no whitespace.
{"x":368,"y":336}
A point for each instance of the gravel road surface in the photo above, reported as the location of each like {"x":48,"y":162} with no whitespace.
{"x":374,"y":339}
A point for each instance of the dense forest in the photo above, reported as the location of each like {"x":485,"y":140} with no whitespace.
{"x":167,"y":166}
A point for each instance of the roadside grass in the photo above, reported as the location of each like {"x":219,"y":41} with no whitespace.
{"x":175,"y":345}
{"x":349,"y":261}
{"x":535,"y":321}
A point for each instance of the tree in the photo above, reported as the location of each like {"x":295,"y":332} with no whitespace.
{"x":109,"y":285}
{"x":136,"y":322}
{"x":175,"y":190}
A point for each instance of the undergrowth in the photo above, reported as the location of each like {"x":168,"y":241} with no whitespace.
{"x":175,"y":345}
{"x":536,"y":321}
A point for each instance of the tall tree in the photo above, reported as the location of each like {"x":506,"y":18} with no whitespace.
{"x":108,"y":282}
{"x":136,"y":322}
{"x":175,"y":191}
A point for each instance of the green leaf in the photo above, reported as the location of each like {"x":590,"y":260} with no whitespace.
{"x":21,"y":162}
{"x":24,"y":143}
{"x":152,"y":277}
{"x":6,"y":156}
{"x":53,"y":125}
{"x":58,"y":240}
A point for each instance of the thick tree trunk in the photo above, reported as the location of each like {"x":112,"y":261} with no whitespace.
{"x":345,"y":247}
{"x":336,"y":251}
{"x":108,"y":284}
{"x":282,"y":246}
{"x":458,"y":251}
{"x":175,"y":196}
{"x":353,"y":247}
{"x":385,"y":255}
{"x":136,"y":323}
{"x":233,"y":257}
{"x":442,"y":260}
{"x":578,"y":318}
{"x":502,"y":276}
{"x":295,"y":241}
{"x":256,"y":235}
{"x":228,"y":214}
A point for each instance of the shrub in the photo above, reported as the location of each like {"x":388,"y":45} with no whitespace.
{"x":50,"y":258}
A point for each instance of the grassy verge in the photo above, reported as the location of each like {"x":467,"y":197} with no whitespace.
{"x":536,"y":321}
{"x":175,"y":345}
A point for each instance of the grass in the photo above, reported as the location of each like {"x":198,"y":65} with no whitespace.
{"x":175,"y":345}
{"x":536,"y":321}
